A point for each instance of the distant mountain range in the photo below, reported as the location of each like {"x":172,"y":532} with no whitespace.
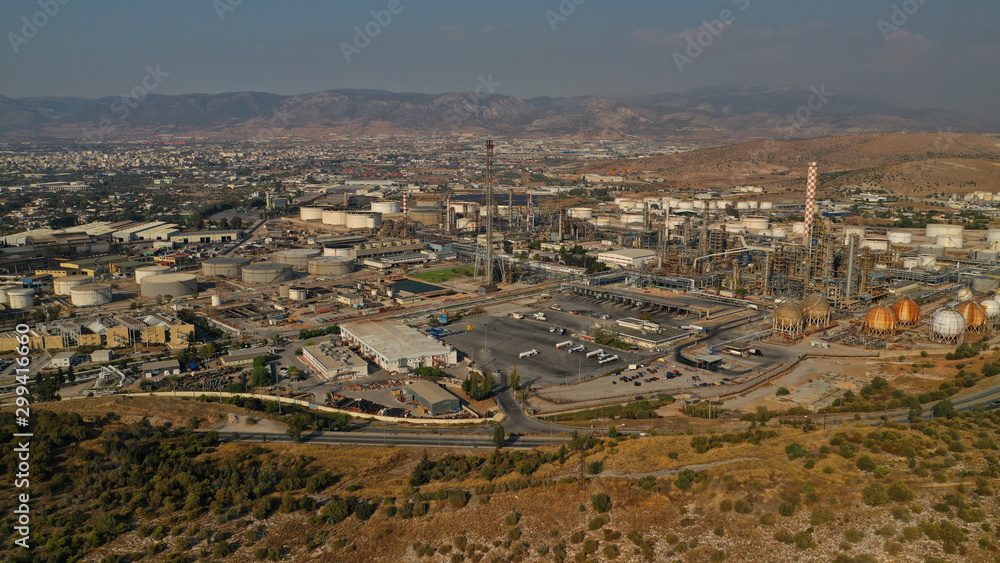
{"x":710,"y":114}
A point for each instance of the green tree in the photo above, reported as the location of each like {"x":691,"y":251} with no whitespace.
{"x":944,"y":409}
{"x":261,"y":376}
{"x":515,"y":378}
{"x":499,"y":436}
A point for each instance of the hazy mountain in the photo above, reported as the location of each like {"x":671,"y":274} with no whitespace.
{"x":710,"y":113}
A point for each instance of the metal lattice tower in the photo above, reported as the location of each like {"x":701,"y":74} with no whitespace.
{"x":488,"y":266}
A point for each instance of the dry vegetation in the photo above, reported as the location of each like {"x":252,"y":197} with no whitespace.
{"x":857,"y":493}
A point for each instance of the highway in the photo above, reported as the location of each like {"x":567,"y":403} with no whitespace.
{"x":393,"y":438}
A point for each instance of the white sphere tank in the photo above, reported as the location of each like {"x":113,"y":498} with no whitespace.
{"x":965,"y":294}
{"x":92,"y":295}
{"x":311,"y":213}
{"x":63,"y":285}
{"x":21,"y":298}
{"x":948,"y":323}
{"x":992,"y":308}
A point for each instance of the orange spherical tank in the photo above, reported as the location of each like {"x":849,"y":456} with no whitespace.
{"x":880,"y":320}
{"x":975,"y":316}
{"x":907,"y":311}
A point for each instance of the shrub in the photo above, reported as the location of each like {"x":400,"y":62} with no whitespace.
{"x":647,"y":483}
{"x":365,"y":510}
{"x":595,"y":467}
{"x":854,"y":535}
{"x":786,"y":508}
{"x":458,"y":499}
{"x":719,"y":531}
{"x":577,"y":536}
{"x":601,"y":502}
{"x":512,"y":518}
{"x":767,"y":519}
{"x":743,"y":506}
{"x":899,"y":492}
{"x":875,"y":495}
{"x":865,"y":463}
{"x":821,"y":515}
{"x":597,"y":523}
{"x":725,"y":506}
{"x":782,"y":391}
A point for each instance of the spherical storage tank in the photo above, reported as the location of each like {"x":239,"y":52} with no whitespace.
{"x":991,"y":307}
{"x":146,"y":271}
{"x":788,"y":318}
{"x":174,"y":285}
{"x":311,"y":213}
{"x":907,"y":312}
{"x":62,"y":286}
{"x":331,"y":265}
{"x":387,"y":207}
{"x":21,"y":298}
{"x":297,"y":257}
{"x":965,"y":294}
{"x":227,"y":267}
{"x":948,"y":325}
{"x":816,"y":309}
{"x":91,"y":295}
{"x":975,"y":317}
{"x":880,"y":321}
{"x":263,"y":273}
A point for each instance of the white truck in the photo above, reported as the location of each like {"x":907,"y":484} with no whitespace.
{"x":595,"y":353}
{"x":608,"y":360}
{"x":562,"y":345}
{"x":540,"y":316}
{"x":528,"y":354}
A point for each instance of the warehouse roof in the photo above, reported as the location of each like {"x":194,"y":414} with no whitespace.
{"x":431,"y":392}
{"x":396,"y":340}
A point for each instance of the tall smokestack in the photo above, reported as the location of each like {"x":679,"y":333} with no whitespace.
{"x":404,"y":204}
{"x":810,"y":199}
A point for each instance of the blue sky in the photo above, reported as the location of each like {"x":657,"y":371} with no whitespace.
{"x":945,"y":54}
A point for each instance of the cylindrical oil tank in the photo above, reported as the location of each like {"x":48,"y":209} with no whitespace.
{"x":224,"y":267}
{"x":900,"y":237}
{"x":297,"y":257}
{"x":298,"y":293}
{"x":603,"y":222}
{"x":932,"y":249}
{"x":985,"y":255}
{"x":699,"y":204}
{"x":736,"y":228}
{"x":713,"y":205}
{"x":581,"y":213}
{"x":949,"y":241}
{"x":92,"y":295}
{"x":331,"y":266}
{"x":62,"y":286}
{"x":427,"y":216}
{"x":343,"y":250}
{"x":466,"y":223}
{"x":633,"y":219}
{"x":311,"y":213}
{"x":935,"y":230}
{"x":334,"y":218}
{"x":910,"y":263}
{"x":875,"y":244}
{"x":743,"y":205}
{"x":685,"y":205}
{"x":284,"y":290}
{"x":387,"y":207}
{"x":21,"y":298}
{"x":358,"y":221}
{"x":779,"y":232}
{"x":927,"y":260}
{"x":798,"y":228}
{"x":767,"y":205}
{"x":756,"y":223}
{"x":217,"y":301}
{"x":263,"y":273}
{"x":984,"y":284}
{"x":175,"y":285}
{"x":3,"y":293}
{"x":154,"y":270}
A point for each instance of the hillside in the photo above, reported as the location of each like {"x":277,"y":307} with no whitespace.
{"x":711,"y":114}
{"x":123,"y":492}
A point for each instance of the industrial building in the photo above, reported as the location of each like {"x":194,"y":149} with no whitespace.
{"x":332,"y":362}
{"x":163,"y":367}
{"x":629,"y":258}
{"x":395,"y":347}
{"x":63,"y":359}
{"x":432,"y":397}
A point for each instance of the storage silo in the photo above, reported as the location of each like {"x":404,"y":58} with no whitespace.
{"x":387,"y":207}
{"x":174,"y":285}
{"x":581,"y":213}
{"x":311,"y":213}
{"x":427,"y":216}
{"x":153,"y":270}
{"x":263,"y":273}
{"x":63,"y":285}
{"x":296,"y":257}
{"x":298,"y":293}
{"x":224,"y":267}
{"x":91,"y":295}
{"x":330,"y":266}
{"x":21,"y":298}
{"x":335,"y":217}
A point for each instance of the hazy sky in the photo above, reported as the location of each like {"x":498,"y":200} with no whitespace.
{"x":943,"y":54}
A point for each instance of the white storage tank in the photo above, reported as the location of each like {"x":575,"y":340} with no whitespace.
{"x":335,"y":218}
{"x":387,"y":207}
{"x":465,"y":223}
{"x":311,"y":213}
{"x":217,"y":301}
{"x":63,"y":285}
{"x":699,"y":204}
{"x":743,"y":205}
{"x":853,"y":230}
{"x":263,"y":273}
{"x":949,"y":241}
{"x":756,"y":223}
{"x":927,"y":260}
{"x":297,"y":257}
{"x":685,"y":206}
{"x":331,"y":266}
{"x":985,"y":255}
{"x":900,"y":237}
{"x":581,"y":213}
{"x":91,"y":295}
{"x":3,"y":293}
{"x":736,"y":228}
{"x":875,"y":244}
{"x":21,"y":298}
{"x":633,"y":219}
{"x":767,"y":205}
{"x":993,"y":235}
{"x":798,"y":228}
{"x":298,"y":293}
{"x":224,"y":267}
{"x":428,"y":216}
{"x":343,"y":250}
{"x":601,"y":222}
{"x":154,"y":270}
{"x":937,"y":229}
{"x":910,"y":263}
{"x":174,"y":285}
{"x":779,"y":232}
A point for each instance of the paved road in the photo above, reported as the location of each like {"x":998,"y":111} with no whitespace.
{"x":442,"y":440}
{"x":518,"y":422}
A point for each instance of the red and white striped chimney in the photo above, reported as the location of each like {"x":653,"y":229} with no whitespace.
{"x":810,"y":199}
{"x":404,"y":204}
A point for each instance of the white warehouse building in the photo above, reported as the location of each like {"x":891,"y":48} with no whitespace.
{"x":629,"y":258}
{"x":393,"y":346}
